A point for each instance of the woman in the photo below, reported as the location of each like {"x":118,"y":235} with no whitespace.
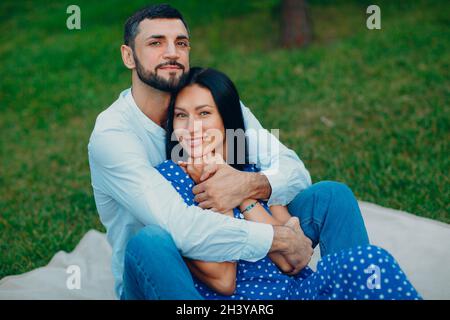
{"x":199,"y":117}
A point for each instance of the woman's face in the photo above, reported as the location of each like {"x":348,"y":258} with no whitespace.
{"x":197,"y":123}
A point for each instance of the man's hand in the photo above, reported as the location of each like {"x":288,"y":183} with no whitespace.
{"x":220,"y":187}
{"x":223,"y":187}
{"x":290,"y":241}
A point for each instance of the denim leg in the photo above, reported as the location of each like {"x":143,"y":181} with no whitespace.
{"x":154,"y":269}
{"x":330,"y":216}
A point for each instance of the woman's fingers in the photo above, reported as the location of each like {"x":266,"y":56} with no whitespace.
{"x":208,"y":171}
{"x":183,"y":166}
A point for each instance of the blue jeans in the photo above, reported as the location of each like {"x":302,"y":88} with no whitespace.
{"x":154,"y":269}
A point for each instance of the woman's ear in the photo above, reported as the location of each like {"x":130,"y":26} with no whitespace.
{"x":127,"y":56}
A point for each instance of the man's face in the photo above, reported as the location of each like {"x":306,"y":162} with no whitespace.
{"x":161,"y":53}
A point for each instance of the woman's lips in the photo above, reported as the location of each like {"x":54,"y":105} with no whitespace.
{"x":194,"y":142}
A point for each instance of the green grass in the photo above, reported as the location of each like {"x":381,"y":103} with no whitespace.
{"x":369,"y":108}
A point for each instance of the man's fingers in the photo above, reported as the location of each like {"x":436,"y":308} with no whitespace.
{"x":201,"y":197}
{"x":296,"y":270}
{"x":205,"y":205}
{"x":294,"y":224}
{"x":301,"y":248}
{"x":300,"y":266}
{"x":199,"y":188}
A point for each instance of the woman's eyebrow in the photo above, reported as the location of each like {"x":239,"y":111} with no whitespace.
{"x":196,"y":108}
{"x":203,"y":106}
{"x":176,"y":107}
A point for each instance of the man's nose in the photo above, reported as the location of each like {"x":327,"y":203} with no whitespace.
{"x":171,"y":52}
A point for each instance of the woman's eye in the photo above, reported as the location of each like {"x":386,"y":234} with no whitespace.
{"x":180,"y":115}
{"x":204,"y":113}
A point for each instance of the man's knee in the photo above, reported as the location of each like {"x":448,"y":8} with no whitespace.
{"x":334,"y":189}
{"x":335,"y":198}
{"x":150,"y":239}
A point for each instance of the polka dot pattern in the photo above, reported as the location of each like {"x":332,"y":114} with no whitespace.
{"x":361,"y":273}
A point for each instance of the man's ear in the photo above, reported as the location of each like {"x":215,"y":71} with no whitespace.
{"x":127,"y":56}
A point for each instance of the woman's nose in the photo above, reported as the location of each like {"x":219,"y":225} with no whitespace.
{"x":194,"y":126}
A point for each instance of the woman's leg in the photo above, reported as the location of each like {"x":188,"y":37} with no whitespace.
{"x":362,"y":273}
{"x":154,"y":269}
{"x":330,"y":216}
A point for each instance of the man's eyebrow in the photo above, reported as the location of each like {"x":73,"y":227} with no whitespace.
{"x":160,"y":36}
{"x":182,"y":36}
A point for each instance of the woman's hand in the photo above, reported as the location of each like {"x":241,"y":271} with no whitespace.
{"x":194,"y":170}
{"x":198,"y":168}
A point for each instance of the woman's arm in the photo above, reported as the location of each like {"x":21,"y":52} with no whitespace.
{"x":280,"y":213}
{"x":280,"y":216}
{"x":219,"y":276}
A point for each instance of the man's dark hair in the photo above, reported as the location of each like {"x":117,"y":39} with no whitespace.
{"x":157,"y":11}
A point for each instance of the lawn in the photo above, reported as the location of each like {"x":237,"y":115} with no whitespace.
{"x":366,"y":107}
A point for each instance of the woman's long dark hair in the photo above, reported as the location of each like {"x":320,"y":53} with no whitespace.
{"x":228,"y":103}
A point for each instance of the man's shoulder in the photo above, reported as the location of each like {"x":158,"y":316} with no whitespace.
{"x":114,"y":126}
{"x":114,"y":117}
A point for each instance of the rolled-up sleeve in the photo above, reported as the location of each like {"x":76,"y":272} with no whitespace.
{"x":285,"y":171}
{"x":120,"y":167}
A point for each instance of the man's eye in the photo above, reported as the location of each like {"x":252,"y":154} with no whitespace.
{"x":155,"y":43}
{"x":183,"y":44}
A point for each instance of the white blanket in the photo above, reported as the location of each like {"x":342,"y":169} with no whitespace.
{"x":421,"y":246}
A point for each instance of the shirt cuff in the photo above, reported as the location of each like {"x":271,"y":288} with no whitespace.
{"x":259,"y":241}
{"x":278,"y":195}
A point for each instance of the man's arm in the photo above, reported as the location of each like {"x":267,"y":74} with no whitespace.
{"x":284,"y":170}
{"x":120,"y":168}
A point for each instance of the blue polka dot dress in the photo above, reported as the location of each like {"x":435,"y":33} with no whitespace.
{"x":358,"y":273}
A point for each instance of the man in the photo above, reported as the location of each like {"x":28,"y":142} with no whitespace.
{"x":149,"y":226}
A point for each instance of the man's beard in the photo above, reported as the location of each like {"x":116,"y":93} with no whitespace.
{"x":153,"y":80}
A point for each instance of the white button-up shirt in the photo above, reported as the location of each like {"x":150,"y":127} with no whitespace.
{"x":124,"y":148}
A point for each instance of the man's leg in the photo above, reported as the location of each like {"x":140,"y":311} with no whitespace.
{"x":154,"y":269}
{"x":330,"y":216}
